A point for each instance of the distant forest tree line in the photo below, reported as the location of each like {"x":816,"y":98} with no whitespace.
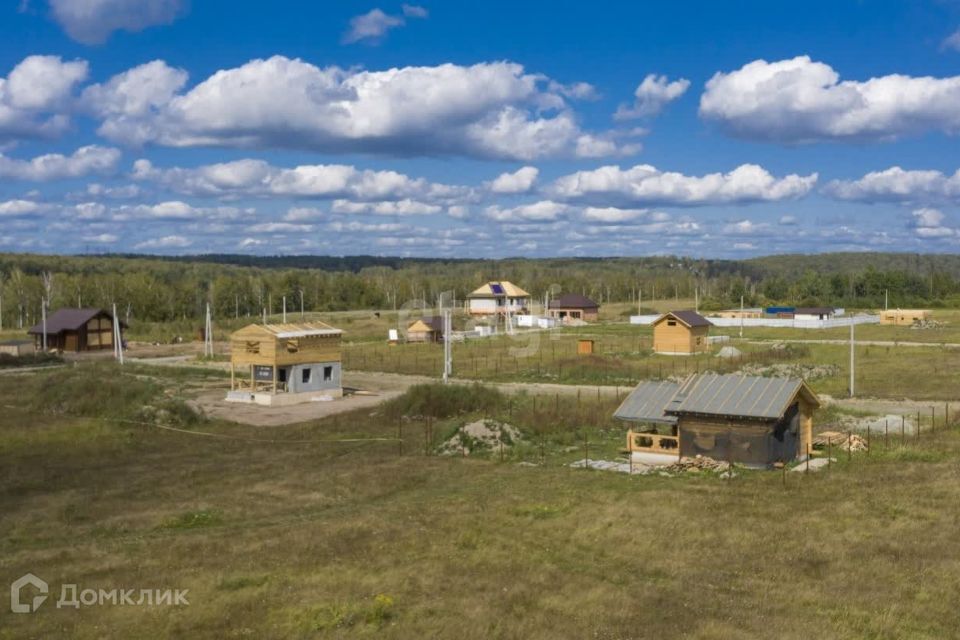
{"x":160,"y":289}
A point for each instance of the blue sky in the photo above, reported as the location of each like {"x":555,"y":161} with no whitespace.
{"x":479,"y":129}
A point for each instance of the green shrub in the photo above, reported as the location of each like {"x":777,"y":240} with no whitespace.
{"x":8,"y":361}
{"x":444,"y":401}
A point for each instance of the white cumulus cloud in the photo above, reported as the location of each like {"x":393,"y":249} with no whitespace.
{"x":647,"y":185}
{"x":92,"y":21}
{"x":800,"y":100}
{"x":322,"y":181}
{"x":87,"y":160}
{"x":898,"y":185}
{"x":952,"y":41}
{"x":16,"y":208}
{"x":612,"y":214}
{"x":488,"y":110}
{"x":165,"y":242}
{"x":404,"y":207}
{"x":35,"y":97}
{"x":520,"y":181}
{"x":929,"y":223}
{"x":545,"y":210}
{"x":651,"y":96}
{"x":372,"y":27}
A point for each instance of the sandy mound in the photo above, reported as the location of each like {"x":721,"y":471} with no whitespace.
{"x":479,"y":436}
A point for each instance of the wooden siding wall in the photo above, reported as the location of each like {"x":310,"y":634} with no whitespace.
{"x":679,"y":338}
{"x":273,"y":351}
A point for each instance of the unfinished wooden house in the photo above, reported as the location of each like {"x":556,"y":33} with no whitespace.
{"x":498,"y":298}
{"x":904,"y":317}
{"x":573,"y":306}
{"x":77,"y":330}
{"x":751,"y":420}
{"x":428,"y":329}
{"x":279,"y":364}
{"x":681,"y":333}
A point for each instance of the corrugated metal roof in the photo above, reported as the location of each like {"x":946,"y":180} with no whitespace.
{"x":735,"y":395}
{"x":648,"y":402}
{"x":711,"y":394}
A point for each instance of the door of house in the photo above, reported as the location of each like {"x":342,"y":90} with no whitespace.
{"x":70,"y":342}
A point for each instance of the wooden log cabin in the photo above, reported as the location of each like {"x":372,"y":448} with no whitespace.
{"x":77,"y":330}
{"x":277,"y":364}
{"x":681,"y":333}
{"x":750,"y":420}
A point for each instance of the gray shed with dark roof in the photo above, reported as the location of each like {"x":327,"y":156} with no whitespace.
{"x":748,"y":419}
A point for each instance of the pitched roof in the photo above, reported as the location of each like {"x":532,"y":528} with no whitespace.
{"x":648,"y":403}
{"x":428,"y":323}
{"x":68,"y":320}
{"x":688,"y":317}
{"x":499,"y":290}
{"x":289,"y":330}
{"x":737,"y":395}
{"x":573,"y":301}
{"x":715,"y":395}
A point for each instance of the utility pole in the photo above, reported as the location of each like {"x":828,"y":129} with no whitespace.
{"x":696,"y":298}
{"x":284,"y":309}
{"x":301,"y":304}
{"x":43,"y":312}
{"x":886,"y":299}
{"x":208,"y":334}
{"x":741,"y":316}
{"x":851,"y":357}
{"x":117,"y":336}
{"x":447,"y":350}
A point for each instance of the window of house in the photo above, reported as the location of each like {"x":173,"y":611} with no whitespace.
{"x":699,"y":340}
{"x":671,"y":323}
{"x":293,"y":346}
{"x":305,"y":375}
{"x":252,"y":348}
{"x":327,"y":374}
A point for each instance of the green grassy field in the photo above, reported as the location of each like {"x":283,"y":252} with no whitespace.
{"x":289,"y":532}
{"x":624,"y":359}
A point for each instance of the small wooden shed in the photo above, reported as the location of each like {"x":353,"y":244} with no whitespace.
{"x":746,"y":419}
{"x":285,"y":363}
{"x":77,"y":330}
{"x":904,"y":317}
{"x":428,"y":329}
{"x":681,"y":333}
